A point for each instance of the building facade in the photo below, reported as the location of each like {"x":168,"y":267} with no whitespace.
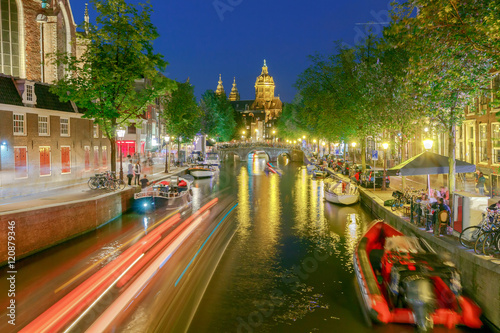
{"x":44,"y":143}
{"x":256,"y":118}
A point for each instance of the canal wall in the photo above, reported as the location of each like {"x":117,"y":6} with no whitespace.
{"x":38,"y":228}
{"x":480,"y":276}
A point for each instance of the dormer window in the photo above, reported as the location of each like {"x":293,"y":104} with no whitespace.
{"x":29,"y":96}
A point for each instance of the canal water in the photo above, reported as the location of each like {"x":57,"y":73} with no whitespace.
{"x":289,"y":266}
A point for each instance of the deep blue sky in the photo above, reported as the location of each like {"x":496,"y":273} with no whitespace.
{"x":198,"y":44}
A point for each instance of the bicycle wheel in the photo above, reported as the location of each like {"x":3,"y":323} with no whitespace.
{"x":489,"y":244}
{"x":469,"y":235}
{"x":120,"y":184}
{"x":394,"y":205}
{"x":111,"y":185}
{"x":92,"y":183}
{"x":483,"y":237}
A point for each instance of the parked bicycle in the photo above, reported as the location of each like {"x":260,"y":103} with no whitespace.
{"x":106,"y":180}
{"x":474,"y":236}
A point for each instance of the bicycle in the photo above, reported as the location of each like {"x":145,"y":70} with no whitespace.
{"x":399,"y":200}
{"x":469,"y":236}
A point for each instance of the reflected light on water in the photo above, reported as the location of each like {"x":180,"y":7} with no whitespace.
{"x":244,"y":194}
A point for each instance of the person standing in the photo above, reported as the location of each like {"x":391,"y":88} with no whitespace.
{"x":130,"y":172}
{"x":137,"y":172}
{"x":480,"y":183}
{"x":144,"y":182}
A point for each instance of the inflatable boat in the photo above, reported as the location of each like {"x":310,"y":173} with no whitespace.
{"x":402,"y":280}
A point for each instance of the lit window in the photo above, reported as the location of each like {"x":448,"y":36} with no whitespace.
{"x":9,"y":59}
{"x":43,"y":125}
{"x":19,"y":128}
{"x":483,"y":144}
{"x":495,"y":142}
{"x":65,"y":127}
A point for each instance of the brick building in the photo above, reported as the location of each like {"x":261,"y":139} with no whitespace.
{"x":44,"y":143}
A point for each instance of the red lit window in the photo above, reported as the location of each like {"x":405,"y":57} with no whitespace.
{"x":65,"y":160}
{"x":87,"y":158}
{"x":96,"y":157}
{"x":21,"y":162}
{"x":45,"y":161}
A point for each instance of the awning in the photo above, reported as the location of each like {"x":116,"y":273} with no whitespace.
{"x":428,"y":163}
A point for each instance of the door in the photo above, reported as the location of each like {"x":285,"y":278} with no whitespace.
{"x":87,"y":158}
{"x":65,"y":160}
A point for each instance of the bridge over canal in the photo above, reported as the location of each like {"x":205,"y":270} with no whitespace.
{"x":272,"y":152}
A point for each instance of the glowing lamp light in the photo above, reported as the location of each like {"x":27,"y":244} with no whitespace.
{"x":120,"y":132}
{"x":167,"y":139}
{"x":314,"y":140}
{"x":353,"y":144}
{"x":145,"y":205}
{"x":303,"y":137}
{"x":385,"y":145}
{"x":426,"y":129}
{"x":428,"y":144}
{"x":154,"y":142}
{"x":294,"y":142}
{"x":274,"y":132}
{"x":323,"y":143}
{"x":243,"y":132}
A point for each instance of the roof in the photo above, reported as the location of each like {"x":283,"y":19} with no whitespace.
{"x":50,"y":101}
{"x":8,"y":92}
{"x":428,"y":163}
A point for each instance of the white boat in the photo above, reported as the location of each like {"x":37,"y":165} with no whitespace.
{"x":260,"y":154}
{"x":171,"y":193}
{"x":319,"y":174}
{"x":212,"y":159}
{"x":203,"y":171}
{"x":335,"y":193}
{"x":311,"y":167}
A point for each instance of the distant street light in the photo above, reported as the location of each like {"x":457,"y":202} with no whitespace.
{"x":353,"y":152}
{"x":428,"y":144}
{"x":385,"y":145}
{"x":120,"y":133}
{"x":167,"y":158}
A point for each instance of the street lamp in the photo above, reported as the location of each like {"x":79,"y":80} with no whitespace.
{"x":428,"y":146}
{"x":385,"y":145}
{"x":167,"y":159}
{"x":274,"y":136}
{"x":353,"y":152}
{"x":120,"y":133}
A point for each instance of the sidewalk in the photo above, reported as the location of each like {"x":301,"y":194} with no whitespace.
{"x":68,"y":194}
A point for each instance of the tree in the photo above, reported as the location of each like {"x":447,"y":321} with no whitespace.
{"x":218,"y":116}
{"x":447,"y":67}
{"x":181,"y":113}
{"x":117,"y":76}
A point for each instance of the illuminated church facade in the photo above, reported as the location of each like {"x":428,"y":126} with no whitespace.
{"x":256,"y":118}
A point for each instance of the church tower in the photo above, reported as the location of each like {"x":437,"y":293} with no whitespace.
{"x":220,"y":87}
{"x":234,"y":95}
{"x":264,"y":86}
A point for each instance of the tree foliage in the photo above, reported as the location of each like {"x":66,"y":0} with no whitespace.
{"x":181,"y":112}
{"x":218,"y":116}
{"x":118,"y":75}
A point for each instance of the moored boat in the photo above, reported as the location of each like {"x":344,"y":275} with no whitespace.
{"x":311,"y":167}
{"x":202,"y":171}
{"x":274,"y":169}
{"x":212,"y":159}
{"x":402,"y":280}
{"x":171,"y":193}
{"x":319,"y":173}
{"x":341,"y":193}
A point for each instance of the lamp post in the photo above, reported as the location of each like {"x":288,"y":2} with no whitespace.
{"x":385,"y":145}
{"x":428,"y":146}
{"x":120,"y":133}
{"x":274,"y":136}
{"x":167,"y":158}
{"x":353,"y":152}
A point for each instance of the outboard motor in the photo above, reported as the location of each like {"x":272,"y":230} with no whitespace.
{"x":419,"y":296}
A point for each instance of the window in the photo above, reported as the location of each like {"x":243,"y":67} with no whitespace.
{"x":9,"y":38}
{"x":65,"y":127}
{"x":43,"y":125}
{"x":96,"y":157}
{"x":21,"y":162}
{"x":45,"y":161}
{"x":131,"y":129}
{"x":87,"y":157}
{"x":19,"y":128}
{"x":104,"y":156}
{"x":65,"y":160}
{"x":483,"y":144}
{"x":495,"y":142}
{"x":96,"y":131}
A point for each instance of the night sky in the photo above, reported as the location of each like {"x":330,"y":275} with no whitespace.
{"x":201,"y":39}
